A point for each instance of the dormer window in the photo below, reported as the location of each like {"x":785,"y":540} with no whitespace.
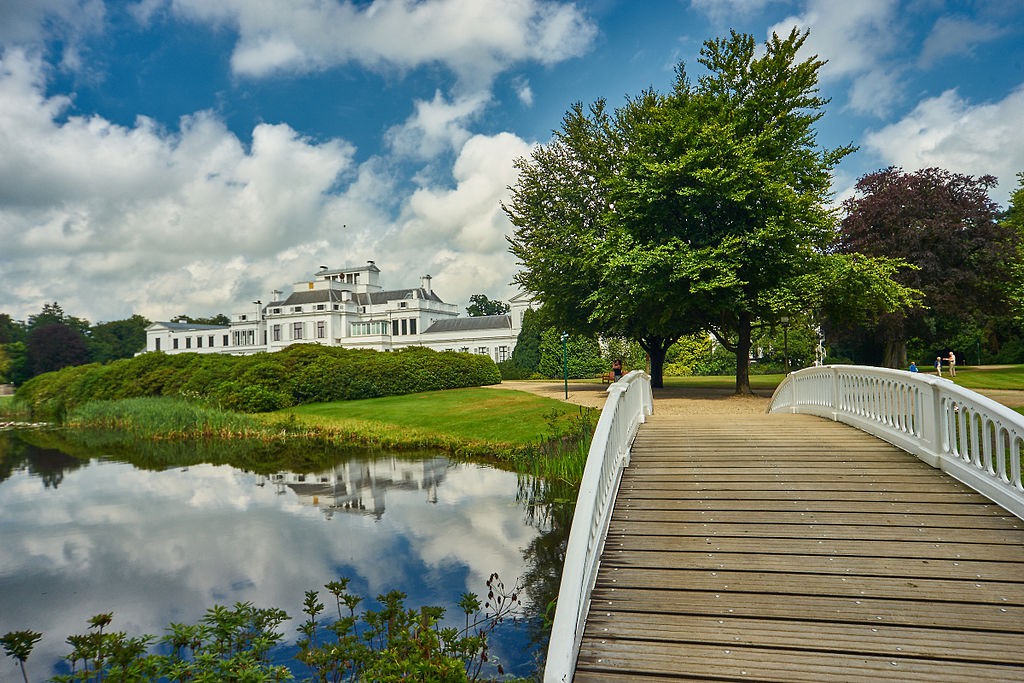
{"x":402,"y":304}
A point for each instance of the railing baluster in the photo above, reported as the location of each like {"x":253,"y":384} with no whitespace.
{"x":947,"y":426}
{"x":629,"y":402}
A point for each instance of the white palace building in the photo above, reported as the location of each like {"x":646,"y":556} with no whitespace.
{"x":348,"y":307}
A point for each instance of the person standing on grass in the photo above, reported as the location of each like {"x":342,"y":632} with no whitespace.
{"x":938,"y":365}
{"x":952,"y":364}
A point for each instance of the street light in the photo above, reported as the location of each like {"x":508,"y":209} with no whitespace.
{"x":565,"y":363}
{"x":785,"y":339}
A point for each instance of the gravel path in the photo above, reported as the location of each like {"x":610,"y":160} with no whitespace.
{"x":691,"y":401}
{"x":668,"y":401}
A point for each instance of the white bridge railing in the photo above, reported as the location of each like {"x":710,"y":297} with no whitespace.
{"x":629,"y":403}
{"x":971,"y":437}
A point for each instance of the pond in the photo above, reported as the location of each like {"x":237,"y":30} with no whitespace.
{"x":87,"y":535}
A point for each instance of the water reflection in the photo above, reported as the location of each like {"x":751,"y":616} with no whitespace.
{"x":85,"y":537}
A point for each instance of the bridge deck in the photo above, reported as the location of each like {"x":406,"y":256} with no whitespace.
{"x":791,"y":548}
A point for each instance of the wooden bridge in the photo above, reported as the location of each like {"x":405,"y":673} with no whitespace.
{"x":787,"y":547}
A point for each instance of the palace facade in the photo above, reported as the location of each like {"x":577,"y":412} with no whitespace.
{"x":348,"y":307}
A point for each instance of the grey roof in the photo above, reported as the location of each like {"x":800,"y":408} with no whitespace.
{"x":189,"y":327}
{"x":314,"y":296}
{"x":395,"y":294}
{"x":480,"y":322}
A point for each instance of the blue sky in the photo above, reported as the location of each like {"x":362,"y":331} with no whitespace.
{"x":164,"y":157}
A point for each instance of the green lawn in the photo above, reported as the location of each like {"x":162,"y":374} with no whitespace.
{"x":996,"y":377}
{"x":482,"y":414}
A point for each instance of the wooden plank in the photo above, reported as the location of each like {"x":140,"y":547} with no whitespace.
{"x":859,"y":610}
{"x":792,"y":548}
{"x":834,"y":585}
{"x":823,"y":531}
{"x":766,"y":664}
{"x":881,"y":565}
{"x":623,"y":513}
{"x":956,"y":551}
{"x":803,"y":634}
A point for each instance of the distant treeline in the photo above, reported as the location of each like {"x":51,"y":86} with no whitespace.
{"x":263,"y":382}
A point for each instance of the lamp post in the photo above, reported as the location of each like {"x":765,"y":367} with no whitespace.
{"x":785,"y":340}
{"x":565,"y":363}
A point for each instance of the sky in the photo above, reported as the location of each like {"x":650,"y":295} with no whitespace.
{"x":170,"y":157}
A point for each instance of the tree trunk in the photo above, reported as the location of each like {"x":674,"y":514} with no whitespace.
{"x":657,"y":358}
{"x":656,"y":348}
{"x":743,"y":355}
{"x":895,"y":355}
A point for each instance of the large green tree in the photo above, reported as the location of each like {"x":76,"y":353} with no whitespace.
{"x":946,"y":225}
{"x":480,"y":305}
{"x":706,"y":208}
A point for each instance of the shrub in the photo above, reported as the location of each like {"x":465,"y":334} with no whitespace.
{"x":299,"y":374}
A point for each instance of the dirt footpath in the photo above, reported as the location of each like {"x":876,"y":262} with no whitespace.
{"x":668,"y":401}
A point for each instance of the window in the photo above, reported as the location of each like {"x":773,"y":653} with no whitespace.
{"x":224,"y":340}
{"x":412,"y":326}
{"x":188,"y":342}
{"x":364,"y":329}
{"x":405,"y":326}
{"x":158,"y":343}
{"x":211,"y":341}
{"x":502,"y":353}
{"x":394,"y":328}
{"x":482,"y":350}
{"x":276,"y":310}
{"x":464,"y":349}
{"x":321,"y":329}
{"x":402,"y":304}
{"x":296,"y":330}
{"x":199,"y":342}
{"x":296,"y":309}
{"x":174,"y":343}
{"x":276,"y":332}
{"x":321,"y":307}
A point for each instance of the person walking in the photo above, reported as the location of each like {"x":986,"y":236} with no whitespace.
{"x":952,"y":364}
{"x":938,"y":365}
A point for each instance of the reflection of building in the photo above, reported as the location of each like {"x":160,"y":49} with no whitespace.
{"x":348,"y":307}
{"x":359,"y":486}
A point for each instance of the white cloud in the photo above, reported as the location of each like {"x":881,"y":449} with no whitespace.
{"x":474,"y":39}
{"x":728,"y":10}
{"x":523,"y":91}
{"x":436,"y":127}
{"x":950,"y":132}
{"x":463,"y":228}
{"x":856,"y":39}
{"x":956,"y":36}
{"x":30,"y":22}
{"x":113,"y":220}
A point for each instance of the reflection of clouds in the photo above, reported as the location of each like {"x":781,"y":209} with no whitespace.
{"x":156,"y":547}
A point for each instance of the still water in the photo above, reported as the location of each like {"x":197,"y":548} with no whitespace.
{"x":80,"y":536}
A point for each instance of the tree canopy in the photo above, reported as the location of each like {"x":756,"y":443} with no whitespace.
{"x":705,"y":208}
{"x":480,"y":305}
{"x":944,"y":224}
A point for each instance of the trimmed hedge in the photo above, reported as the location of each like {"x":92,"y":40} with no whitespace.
{"x":304,"y":373}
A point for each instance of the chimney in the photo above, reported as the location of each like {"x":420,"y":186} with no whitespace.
{"x":425,"y":284}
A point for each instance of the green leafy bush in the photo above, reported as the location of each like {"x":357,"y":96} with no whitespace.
{"x":263,"y":382}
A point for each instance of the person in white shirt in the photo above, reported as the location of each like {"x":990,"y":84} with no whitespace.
{"x":952,"y":364}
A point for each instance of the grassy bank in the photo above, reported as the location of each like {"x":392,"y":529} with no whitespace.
{"x":523,"y":432}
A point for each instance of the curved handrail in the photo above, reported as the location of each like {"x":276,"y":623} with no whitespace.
{"x":972,"y":438}
{"x":629,"y":403}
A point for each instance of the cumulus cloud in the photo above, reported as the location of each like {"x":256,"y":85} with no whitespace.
{"x":169,"y":213}
{"x":956,"y":36}
{"x":30,"y":22}
{"x":855,"y":38}
{"x":949,"y":132}
{"x":112,"y":220}
{"x":464,"y":227}
{"x":436,"y":127}
{"x":475,"y":40}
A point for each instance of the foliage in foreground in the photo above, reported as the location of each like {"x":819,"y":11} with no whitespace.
{"x":306,"y":373}
{"x":394,"y":643}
